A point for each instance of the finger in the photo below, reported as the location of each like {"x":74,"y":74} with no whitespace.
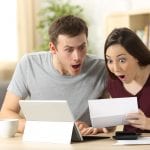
{"x":138,"y":126}
{"x":133,"y":116}
{"x":95,"y":131}
{"x":91,"y":131}
{"x":105,"y":130}
{"x":134,"y":122}
{"x":86,"y":131}
{"x":81,"y":125}
{"x":141,"y":112}
{"x":82,"y":131}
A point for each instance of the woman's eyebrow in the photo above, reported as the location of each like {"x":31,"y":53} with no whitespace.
{"x":121,"y":55}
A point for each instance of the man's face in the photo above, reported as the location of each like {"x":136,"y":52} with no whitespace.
{"x":69,"y":54}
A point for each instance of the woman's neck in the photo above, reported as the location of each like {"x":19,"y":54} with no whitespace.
{"x":138,"y":83}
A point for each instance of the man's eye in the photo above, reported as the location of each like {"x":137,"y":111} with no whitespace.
{"x":82,"y":47}
{"x":69,"y":50}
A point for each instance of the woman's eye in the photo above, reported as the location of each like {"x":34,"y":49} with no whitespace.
{"x":109,"y":61}
{"x":122,"y":60}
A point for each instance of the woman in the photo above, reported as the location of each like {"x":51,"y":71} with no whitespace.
{"x":128,"y":63}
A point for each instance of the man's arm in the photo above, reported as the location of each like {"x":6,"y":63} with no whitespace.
{"x":86,"y":130}
{"x":11,"y":109}
{"x":105,"y":94}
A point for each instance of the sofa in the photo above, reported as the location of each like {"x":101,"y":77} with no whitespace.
{"x":3,"y":89}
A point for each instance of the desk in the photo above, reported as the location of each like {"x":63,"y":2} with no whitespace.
{"x":16,"y":143}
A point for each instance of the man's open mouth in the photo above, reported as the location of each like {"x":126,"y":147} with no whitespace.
{"x":76,"y":66}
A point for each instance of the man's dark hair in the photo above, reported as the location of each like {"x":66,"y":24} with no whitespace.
{"x":67,"y":25}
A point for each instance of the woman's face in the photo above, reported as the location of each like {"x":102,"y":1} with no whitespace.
{"x":121,"y":63}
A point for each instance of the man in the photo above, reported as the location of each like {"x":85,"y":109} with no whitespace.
{"x":65,"y":72}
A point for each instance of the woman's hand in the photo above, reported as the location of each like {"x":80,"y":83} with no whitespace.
{"x":86,"y":130}
{"x":139,"y":120}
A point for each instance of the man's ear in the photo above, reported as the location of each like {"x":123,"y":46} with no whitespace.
{"x":52,"y":47}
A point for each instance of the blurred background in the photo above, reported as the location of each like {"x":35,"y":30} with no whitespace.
{"x":24,"y":24}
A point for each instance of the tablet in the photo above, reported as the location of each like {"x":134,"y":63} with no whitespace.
{"x":42,"y":114}
{"x":46,"y":110}
{"x":51,"y":111}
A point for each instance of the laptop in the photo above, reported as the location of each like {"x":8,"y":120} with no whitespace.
{"x":51,"y":121}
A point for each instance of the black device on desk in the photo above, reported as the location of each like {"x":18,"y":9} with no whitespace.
{"x":119,"y":135}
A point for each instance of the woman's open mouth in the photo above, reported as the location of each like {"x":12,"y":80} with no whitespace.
{"x":121,"y":77}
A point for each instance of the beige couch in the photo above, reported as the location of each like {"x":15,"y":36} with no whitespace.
{"x":3,"y":89}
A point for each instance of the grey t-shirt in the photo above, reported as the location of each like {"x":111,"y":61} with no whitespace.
{"x":35,"y":77}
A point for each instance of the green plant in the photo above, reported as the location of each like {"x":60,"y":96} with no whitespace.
{"x":52,"y":10}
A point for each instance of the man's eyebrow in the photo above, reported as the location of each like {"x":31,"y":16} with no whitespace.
{"x":84,"y":43}
{"x":68,"y":46}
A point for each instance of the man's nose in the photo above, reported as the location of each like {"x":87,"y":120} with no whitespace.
{"x":76,"y":55}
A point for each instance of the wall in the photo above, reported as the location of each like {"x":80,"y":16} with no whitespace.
{"x":96,"y":11}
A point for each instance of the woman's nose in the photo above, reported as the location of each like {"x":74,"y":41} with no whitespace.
{"x":116,"y":67}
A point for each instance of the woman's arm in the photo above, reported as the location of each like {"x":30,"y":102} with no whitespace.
{"x":139,"y":120}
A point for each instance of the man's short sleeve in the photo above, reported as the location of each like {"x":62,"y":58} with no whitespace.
{"x":18,"y":84}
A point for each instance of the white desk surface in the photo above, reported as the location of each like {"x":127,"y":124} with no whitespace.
{"x":16,"y":143}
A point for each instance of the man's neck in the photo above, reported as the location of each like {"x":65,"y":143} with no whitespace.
{"x":57,"y":66}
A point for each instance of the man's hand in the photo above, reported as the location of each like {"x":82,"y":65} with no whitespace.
{"x":86,"y":130}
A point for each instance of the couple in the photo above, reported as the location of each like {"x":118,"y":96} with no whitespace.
{"x":67,"y":72}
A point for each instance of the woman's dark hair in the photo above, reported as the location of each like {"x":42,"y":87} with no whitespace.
{"x":132,"y":44}
{"x":67,"y":25}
